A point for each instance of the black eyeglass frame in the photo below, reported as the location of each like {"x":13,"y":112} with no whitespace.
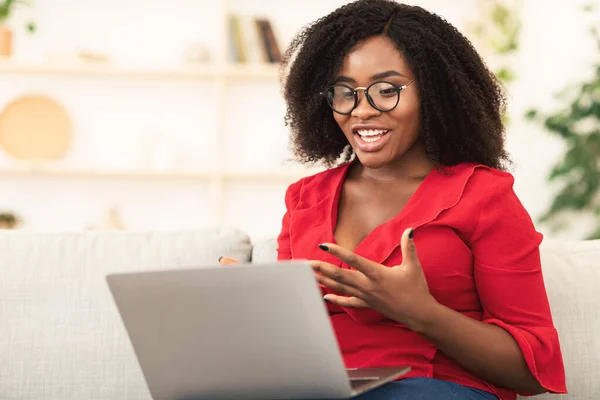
{"x":398,"y":88}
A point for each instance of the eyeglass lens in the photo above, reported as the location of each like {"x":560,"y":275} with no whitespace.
{"x":383,"y":95}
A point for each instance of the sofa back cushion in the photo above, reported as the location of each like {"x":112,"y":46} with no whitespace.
{"x":61,"y":336}
{"x":572,"y":277}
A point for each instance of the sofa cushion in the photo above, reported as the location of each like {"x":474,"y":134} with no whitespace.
{"x":61,"y":335}
{"x":264,"y":251}
{"x":572,"y":277}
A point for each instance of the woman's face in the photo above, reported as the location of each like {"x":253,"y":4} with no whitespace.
{"x":379,"y":138}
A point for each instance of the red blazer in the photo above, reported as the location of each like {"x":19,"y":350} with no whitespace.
{"x":479,"y":252}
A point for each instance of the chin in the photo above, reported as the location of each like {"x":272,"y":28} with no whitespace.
{"x":372,"y":160}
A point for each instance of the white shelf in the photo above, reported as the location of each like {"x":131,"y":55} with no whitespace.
{"x":15,"y":172}
{"x":234,"y":71}
{"x":73,"y":173}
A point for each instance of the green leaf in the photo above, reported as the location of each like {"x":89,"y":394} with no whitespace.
{"x":589,"y":7}
{"x":531,"y":114}
{"x":560,"y":124}
{"x":595,"y":234}
{"x":511,"y":45}
{"x":7,"y":6}
{"x":500,"y":14}
{"x":506,"y":74}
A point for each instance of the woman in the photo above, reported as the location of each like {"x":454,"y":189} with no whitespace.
{"x":423,"y":252}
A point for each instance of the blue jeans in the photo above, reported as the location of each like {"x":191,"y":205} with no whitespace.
{"x":425,"y":389}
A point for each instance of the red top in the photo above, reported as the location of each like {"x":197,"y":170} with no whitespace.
{"x":480,"y":254}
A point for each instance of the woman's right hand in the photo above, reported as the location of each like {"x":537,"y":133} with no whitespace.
{"x":227,"y":261}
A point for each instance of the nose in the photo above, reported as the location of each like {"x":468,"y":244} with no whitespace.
{"x":364,"y":110}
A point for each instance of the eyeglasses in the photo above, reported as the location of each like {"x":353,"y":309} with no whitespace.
{"x":383,"y":96}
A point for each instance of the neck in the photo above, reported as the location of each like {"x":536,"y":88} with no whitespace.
{"x":413,"y":165}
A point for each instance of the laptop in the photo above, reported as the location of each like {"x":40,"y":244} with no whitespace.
{"x":237,"y":332}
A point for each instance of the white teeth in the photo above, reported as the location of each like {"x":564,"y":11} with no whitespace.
{"x":371,"y":135}
{"x":371,"y":132}
{"x":370,"y":140}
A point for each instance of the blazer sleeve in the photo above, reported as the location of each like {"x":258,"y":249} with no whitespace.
{"x":292,"y":197}
{"x":508,"y":276}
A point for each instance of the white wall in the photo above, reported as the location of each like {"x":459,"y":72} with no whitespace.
{"x":111,"y":115}
{"x":556,"y":52}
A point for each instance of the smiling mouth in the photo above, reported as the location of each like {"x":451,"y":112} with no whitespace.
{"x":371,"y":135}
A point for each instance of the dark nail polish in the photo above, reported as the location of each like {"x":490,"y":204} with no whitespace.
{"x":219,"y":260}
{"x":323,"y":247}
{"x":326,"y":300}
{"x":411,"y":233}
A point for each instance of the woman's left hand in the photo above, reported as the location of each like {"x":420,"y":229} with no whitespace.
{"x":400,"y":293}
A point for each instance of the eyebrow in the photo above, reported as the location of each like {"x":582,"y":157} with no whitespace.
{"x":380,"y":75}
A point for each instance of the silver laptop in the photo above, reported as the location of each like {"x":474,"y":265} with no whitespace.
{"x":237,"y":332}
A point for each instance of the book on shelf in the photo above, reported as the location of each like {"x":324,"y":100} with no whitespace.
{"x":237,"y":50}
{"x":269,"y":41}
{"x":252,"y":40}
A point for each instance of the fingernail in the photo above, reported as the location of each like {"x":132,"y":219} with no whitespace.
{"x":324,"y":247}
{"x":326,"y":300}
{"x":219,"y":260}
{"x":410,"y":234}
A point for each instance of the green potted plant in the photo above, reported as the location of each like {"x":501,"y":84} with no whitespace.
{"x":578,"y":172}
{"x":6,"y":8}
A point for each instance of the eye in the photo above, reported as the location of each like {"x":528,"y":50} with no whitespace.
{"x":341,"y":93}
{"x":387,"y":92}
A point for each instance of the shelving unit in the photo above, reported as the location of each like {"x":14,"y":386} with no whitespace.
{"x":221,"y":182}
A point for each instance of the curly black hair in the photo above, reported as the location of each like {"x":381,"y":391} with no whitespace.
{"x":462,"y":102}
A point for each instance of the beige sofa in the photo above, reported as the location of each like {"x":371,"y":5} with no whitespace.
{"x":61,"y":337}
